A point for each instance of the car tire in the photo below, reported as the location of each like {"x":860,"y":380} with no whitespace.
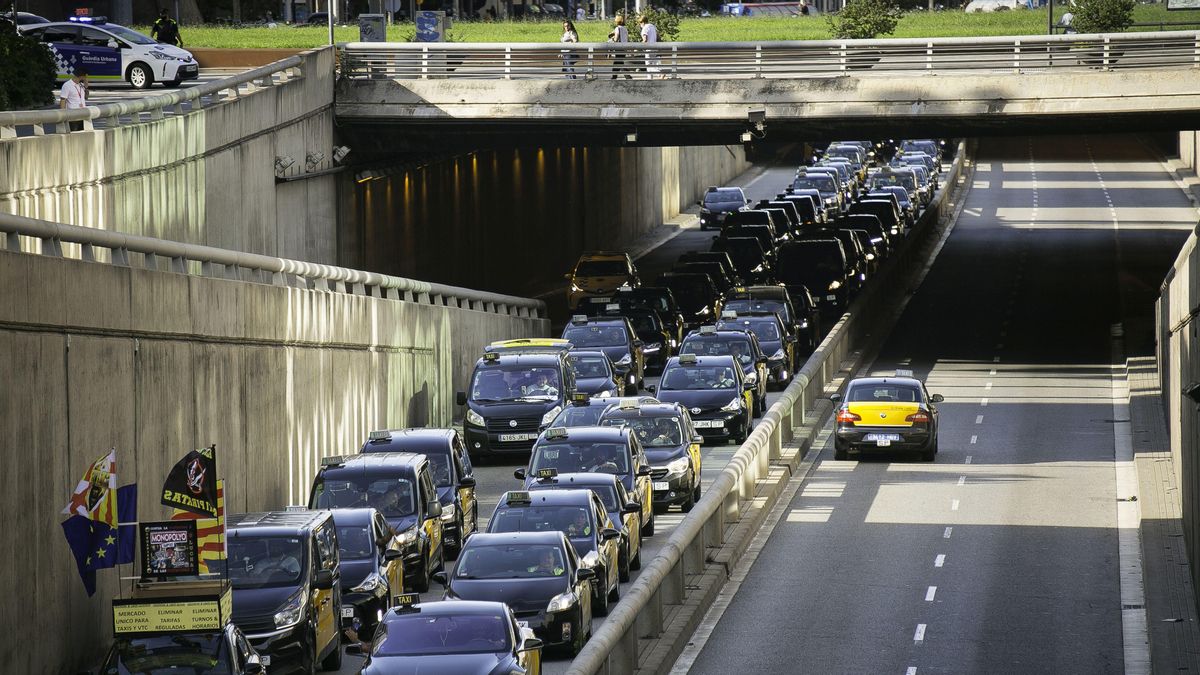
{"x":600,"y":600}
{"x":614,"y":594}
{"x":690,"y":502}
{"x":648,"y":529}
{"x":140,"y":76}
{"x":930,"y":454}
{"x":623,"y":565}
{"x":451,"y":553}
{"x":696,"y":492}
{"x":840,"y":452}
{"x":760,"y":405}
{"x":635,"y":563}
{"x":308,"y":660}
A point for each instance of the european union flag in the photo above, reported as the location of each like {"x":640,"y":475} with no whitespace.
{"x":97,"y":546}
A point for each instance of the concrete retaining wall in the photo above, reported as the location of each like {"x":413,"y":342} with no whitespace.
{"x":155,"y":363}
{"x":206,"y":177}
{"x":517,"y":218}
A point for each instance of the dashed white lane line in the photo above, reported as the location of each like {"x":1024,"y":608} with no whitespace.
{"x":988,"y":386}
{"x":912,"y":670}
{"x":947,"y":533}
{"x":962,"y":480}
{"x":919,"y":633}
{"x":974,"y":440}
{"x":968,"y":459}
{"x":953,"y":504}
{"x":979,"y":419}
{"x":939,"y":560}
{"x":930,"y":593}
{"x":992,"y":372}
{"x":983,"y":403}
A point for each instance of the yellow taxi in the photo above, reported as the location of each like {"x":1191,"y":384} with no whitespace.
{"x":599,"y":274}
{"x":887,"y":413}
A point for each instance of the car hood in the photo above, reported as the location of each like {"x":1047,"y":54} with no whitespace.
{"x":769,"y":347}
{"x":446,"y":494}
{"x":514,"y":409}
{"x":403,"y":523}
{"x":172,"y":50}
{"x":523,"y":595}
{"x":660,"y":456}
{"x":354,"y":571}
{"x":595,"y":385}
{"x":258,"y":602}
{"x":436,"y":664}
{"x":704,"y":399}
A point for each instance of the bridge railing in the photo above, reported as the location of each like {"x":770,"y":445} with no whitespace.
{"x":48,"y":238}
{"x":155,"y":107}
{"x":674,"y":60}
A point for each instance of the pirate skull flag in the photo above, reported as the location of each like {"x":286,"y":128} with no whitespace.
{"x":192,"y":484}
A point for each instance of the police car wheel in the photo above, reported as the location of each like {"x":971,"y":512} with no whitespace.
{"x":140,"y":76}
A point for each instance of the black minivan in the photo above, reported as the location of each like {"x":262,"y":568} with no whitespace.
{"x":818,"y":265}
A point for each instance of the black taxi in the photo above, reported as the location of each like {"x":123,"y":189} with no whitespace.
{"x":714,"y":392}
{"x":453,"y":475}
{"x":745,"y":350}
{"x":624,"y":513}
{"x":616,"y":337}
{"x":773,"y":338}
{"x":672,"y":447}
{"x":372,"y":572}
{"x":400,"y":486}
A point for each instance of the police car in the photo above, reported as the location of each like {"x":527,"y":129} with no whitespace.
{"x":109,"y":52}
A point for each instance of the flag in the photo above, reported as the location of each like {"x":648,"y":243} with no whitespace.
{"x":210,"y":534}
{"x":96,"y":545}
{"x":192,"y":484}
{"x":95,"y":495}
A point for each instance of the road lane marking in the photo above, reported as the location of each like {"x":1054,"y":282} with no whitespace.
{"x":992,"y":371}
{"x":947,"y":533}
{"x":962,"y":480}
{"x":919,"y":634}
{"x":974,"y":440}
{"x":987,"y":387}
{"x":939,"y":560}
{"x":953,"y":504}
{"x":932,"y":591}
{"x":983,"y":403}
{"x":912,"y":670}
{"x":979,"y":419}
{"x":968,"y":459}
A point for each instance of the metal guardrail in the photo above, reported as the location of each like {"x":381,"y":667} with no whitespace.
{"x":678,"y":60}
{"x":613,"y":648}
{"x":55,"y":120}
{"x":249,"y":267}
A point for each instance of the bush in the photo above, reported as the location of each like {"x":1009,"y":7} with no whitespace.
{"x":667,"y":25}
{"x":27,"y":72}
{"x":864,"y":20}
{"x":1102,"y":16}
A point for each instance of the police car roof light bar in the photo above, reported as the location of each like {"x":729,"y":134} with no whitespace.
{"x":87,"y":19}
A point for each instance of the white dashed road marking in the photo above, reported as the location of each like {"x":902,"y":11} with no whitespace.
{"x":930,"y":593}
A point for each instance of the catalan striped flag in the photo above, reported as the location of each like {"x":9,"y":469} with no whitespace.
{"x":95,"y":496}
{"x":210,"y":534}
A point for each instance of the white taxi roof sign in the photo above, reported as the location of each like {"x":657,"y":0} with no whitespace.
{"x":379,"y":435}
{"x":614,"y":307}
{"x":708,"y":330}
{"x":901,"y":372}
{"x":687,"y":358}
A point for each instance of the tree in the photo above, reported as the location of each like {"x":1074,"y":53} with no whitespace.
{"x":666,"y":23}
{"x":864,"y":19}
{"x":1102,"y":16}
{"x":27,"y":72}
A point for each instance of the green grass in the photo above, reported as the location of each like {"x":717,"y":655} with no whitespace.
{"x":716,"y":29}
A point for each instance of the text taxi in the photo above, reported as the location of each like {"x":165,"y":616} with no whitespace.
{"x":108,"y":51}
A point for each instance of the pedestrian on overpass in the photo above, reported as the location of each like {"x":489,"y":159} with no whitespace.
{"x":650,"y":35}
{"x":570,"y":35}
{"x":166,"y":30}
{"x":73,"y":95}
{"x":619,"y":35}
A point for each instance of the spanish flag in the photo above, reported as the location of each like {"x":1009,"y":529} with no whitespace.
{"x":210,"y":534}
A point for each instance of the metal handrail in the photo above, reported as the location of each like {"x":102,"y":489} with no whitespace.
{"x":280,"y":271}
{"x":367,"y":60}
{"x":263,"y":76}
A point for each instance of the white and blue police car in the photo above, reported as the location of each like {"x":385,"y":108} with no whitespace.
{"x":109,"y":52}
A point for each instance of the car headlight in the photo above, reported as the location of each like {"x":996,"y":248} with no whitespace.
{"x":834,"y":285}
{"x":562,"y":602}
{"x":652,"y":348}
{"x":550,"y":415}
{"x":870,"y":256}
{"x":829,"y":201}
{"x":804,"y":324}
{"x":161,"y":56}
{"x":673,"y":343}
{"x":474,"y":418}
{"x":448,"y":512}
{"x":575,"y":288}
{"x":373,"y":584}
{"x":778,"y":355}
{"x":678,"y":466}
{"x":625,"y":360}
{"x":733,"y":406}
{"x":591,"y":559}
{"x":605,"y":394}
{"x":895,"y":231}
{"x":407,"y":537}
{"x":292,"y":611}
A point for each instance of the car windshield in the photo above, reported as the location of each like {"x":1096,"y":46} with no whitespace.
{"x":738,"y":348}
{"x":129,"y":35}
{"x":192,"y":653}
{"x":646,"y":326}
{"x":724,"y":196}
{"x":394,"y":497}
{"x":579,"y":416}
{"x":653,"y":432}
{"x":699,"y":377}
{"x":354,"y":542}
{"x":611,"y":458}
{"x":849,"y":153}
{"x":767,"y":331}
{"x":514,"y":383}
{"x":883,"y":393}
{"x":590,"y":366}
{"x":823,"y":183}
{"x":596,"y":336}
{"x":417,"y":635}
{"x":602,"y":268}
{"x":904,"y":180}
{"x":747,"y":305}
{"x":571,"y":520}
{"x":264,"y":562}
{"x":515,"y":561}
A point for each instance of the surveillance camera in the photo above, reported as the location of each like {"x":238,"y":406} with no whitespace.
{"x":283,"y":163}
{"x":339,"y":153}
{"x":747,"y":137}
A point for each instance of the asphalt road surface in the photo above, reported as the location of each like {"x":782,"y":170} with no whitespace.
{"x":1004,"y":555}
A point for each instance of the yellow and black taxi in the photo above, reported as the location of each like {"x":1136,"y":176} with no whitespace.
{"x":887,"y":413}
{"x":595,"y":374}
{"x":577,"y":514}
{"x":537,"y":574}
{"x":773,"y":339}
{"x":400,"y":486}
{"x":516,"y":389}
{"x":798,"y":313}
{"x":657,"y":345}
{"x":614,"y":335}
{"x":285,"y":569}
{"x":743,"y":347}
{"x":453,"y":475}
{"x":713,"y":391}
{"x":624,"y":513}
{"x":372,"y":571}
{"x":672,"y":447}
{"x":600,"y":273}
{"x":595,"y":450}
{"x":464,"y":637}
{"x":585,"y":411}
{"x":183,"y":625}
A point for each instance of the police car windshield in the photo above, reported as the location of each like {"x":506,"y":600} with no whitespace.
{"x":883,"y":393}
{"x":579,"y":416}
{"x":570,"y":520}
{"x":590,"y":366}
{"x":596,"y":336}
{"x":514,"y":382}
{"x":602,"y":268}
{"x":523,"y":561}
{"x":193,"y":653}
{"x":653,"y":432}
{"x":738,"y":348}
{"x":265,"y":562}
{"x":416,"y":635}
{"x":129,"y":35}
{"x":391,"y":496}
{"x":612,"y":458}
{"x":699,"y":377}
{"x":354,"y":542}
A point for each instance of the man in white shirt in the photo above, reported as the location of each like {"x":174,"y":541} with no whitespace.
{"x":73,"y":95}
{"x":649,"y":34}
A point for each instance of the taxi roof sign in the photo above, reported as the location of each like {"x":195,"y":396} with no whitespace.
{"x":579,"y":318}
{"x":708,"y":330}
{"x":519,"y":497}
{"x":687,"y":358}
{"x":333,"y":460}
{"x":405,"y":602}
{"x":581,"y":397}
{"x":729,"y":314}
{"x":629,"y":404}
{"x":547,"y":473}
{"x":491,"y":356}
{"x":556,"y":432}
{"x":901,"y":372}
{"x":612,"y":307}
{"x":380,"y":435}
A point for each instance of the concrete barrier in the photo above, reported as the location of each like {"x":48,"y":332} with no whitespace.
{"x":646,"y":631}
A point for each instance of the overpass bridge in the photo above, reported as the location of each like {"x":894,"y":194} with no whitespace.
{"x":413,"y":94}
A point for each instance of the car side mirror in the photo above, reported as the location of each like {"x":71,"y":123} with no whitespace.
{"x":460,"y":397}
{"x":519,"y":474}
{"x":440,"y":577}
{"x":585,"y":574}
{"x":937,"y":398}
{"x":434,"y":510}
{"x":748,"y":386}
{"x":466,"y":481}
{"x":835,"y":397}
{"x":790,"y":338}
{"x":761,"y":360}
{"x":639,"y":343}
{"x":651,"y":388}
{"x":530,"y":645}
{"x":355,"y":649}
{"x":644,"y":470}
{"x":608,"y":534}
{"x":323,"y":581}
{"x":631,"y":507}
{"x":391,"y":554}
{"x":698,"y":439}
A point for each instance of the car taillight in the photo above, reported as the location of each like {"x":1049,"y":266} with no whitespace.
{"x":918,"y":416}
{"x":847,"y":416}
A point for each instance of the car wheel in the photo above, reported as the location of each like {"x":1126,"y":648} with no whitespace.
{"x":840,"y":452}
{"x":308,"y":660}
{"x":760,"y":405}
{"x":623,"y":565}
{"x":648,"y":528}
{"x":614,"y":595}
{"x":453,"y":551}
{"x":635,"y":563}
{"x":930,"y":453}
{"x":140,"y":76}
{"x":600,"y":598}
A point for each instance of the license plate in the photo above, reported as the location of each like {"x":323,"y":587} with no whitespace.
{"x":347,"y":612}
{"x":882,"y":440}
{"x":601,"y":299}
{"x":708,"y":424}
{"x":509,"y":438}
{"x":660,"y":486}
{"x":831,"y":297}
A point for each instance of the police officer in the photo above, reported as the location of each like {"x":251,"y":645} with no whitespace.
{"x":166,"y":30}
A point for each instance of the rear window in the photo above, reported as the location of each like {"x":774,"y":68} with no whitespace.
{"x":601,"y":268}
{"x":823,"y":183}
{"x":723,"y":196}
{"x":883,"y":393}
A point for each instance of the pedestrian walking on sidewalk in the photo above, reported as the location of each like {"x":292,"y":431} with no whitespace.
{"x":570,"y":35}
{"x":73,"y":96}
{"x":650,"y":36}
{"x":619,"y":35}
